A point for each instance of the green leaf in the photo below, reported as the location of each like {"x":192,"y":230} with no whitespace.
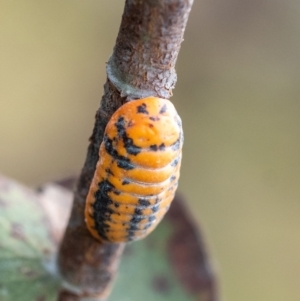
{"x":146,"y":272}
{"x":27,"y":270}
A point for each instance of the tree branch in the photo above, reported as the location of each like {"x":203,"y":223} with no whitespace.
{"x":142,"y":64}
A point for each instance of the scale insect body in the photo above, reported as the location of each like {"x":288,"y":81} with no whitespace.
{"x":137,"y":173}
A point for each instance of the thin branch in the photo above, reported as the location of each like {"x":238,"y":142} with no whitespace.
{"x":142,"y":64}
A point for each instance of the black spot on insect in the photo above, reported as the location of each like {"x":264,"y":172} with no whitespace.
{"x":176,"y":145}
{"x":154,"y":147}
{"x":162,"y":147}
{"x":138,"y":211}
{"x":117,"y":205}
{"x":172,"y":178}
{"x":120,"y":125}
{"x":163,"y":109}
{"x":155,"y":208}
{"x":144,"y":202}
{"x":125,"y":182}
{"x":117,"y":192}
{"x":133,"y":226}
{"x":151,"y":218}
{"x":131,"y":235}
{"x":122,"y":161}
{"x":175,"y":162}
{"x":147,"y":226}
{"x":109,"y":172}
{"x":136,"y":219}
{"x":102,"y":212}
{"x":157,"y":200}
{"x":125,"y":164}
{"x":142,"y":109}
{"x":154,"y":118}
{"x":130,"y":147}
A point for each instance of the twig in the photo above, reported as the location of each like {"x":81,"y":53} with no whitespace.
{"x":142,"y":65}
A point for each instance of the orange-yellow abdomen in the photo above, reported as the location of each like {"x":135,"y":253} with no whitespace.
{"x":137,"y":174}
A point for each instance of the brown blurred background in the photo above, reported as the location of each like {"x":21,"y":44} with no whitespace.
{"x":237,"y":93}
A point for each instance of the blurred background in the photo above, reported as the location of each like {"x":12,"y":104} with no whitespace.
{"x":238,"y":95}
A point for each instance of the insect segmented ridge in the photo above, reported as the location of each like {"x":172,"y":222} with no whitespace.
{"x":137,"y":174}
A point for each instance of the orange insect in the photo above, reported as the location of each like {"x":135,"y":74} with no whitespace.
{"x":137,"y":174}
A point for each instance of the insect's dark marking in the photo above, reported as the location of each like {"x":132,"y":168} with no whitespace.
{"x":151,"y":218}
{"x":109,"y":172}
{"x":117,"y":205}
{"x":130,"y":147}
{"x":136,"y":219}
{"x":154,"y":147}
{"x":102,"y":212}
{"x":144,"y":202}
{"x":175,"y":162}
{"x":133,"y":226}
{"x":172,"y":178}
{"x":125,"y":164}
{"x":130,"y":235}
{"x":163,"y":109}
{"x":142,"y":109}
{"x":138,"y":211}
{"x":155,"y":208}
{"x":162,"y":147}
{"x":108,"y":144}
{"x":125,"y":182}
{"x":147,"y":226}
{"x":122,"y":161}
{"x":117,"y":192}
{"x":176,"y":145}
{"x":128,"y":142}
{"x":173,"y":187}
{"x":154,"y":118}
{"x":120,"y":125}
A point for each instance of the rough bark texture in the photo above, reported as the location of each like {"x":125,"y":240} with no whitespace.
{"x":142,"y":64}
